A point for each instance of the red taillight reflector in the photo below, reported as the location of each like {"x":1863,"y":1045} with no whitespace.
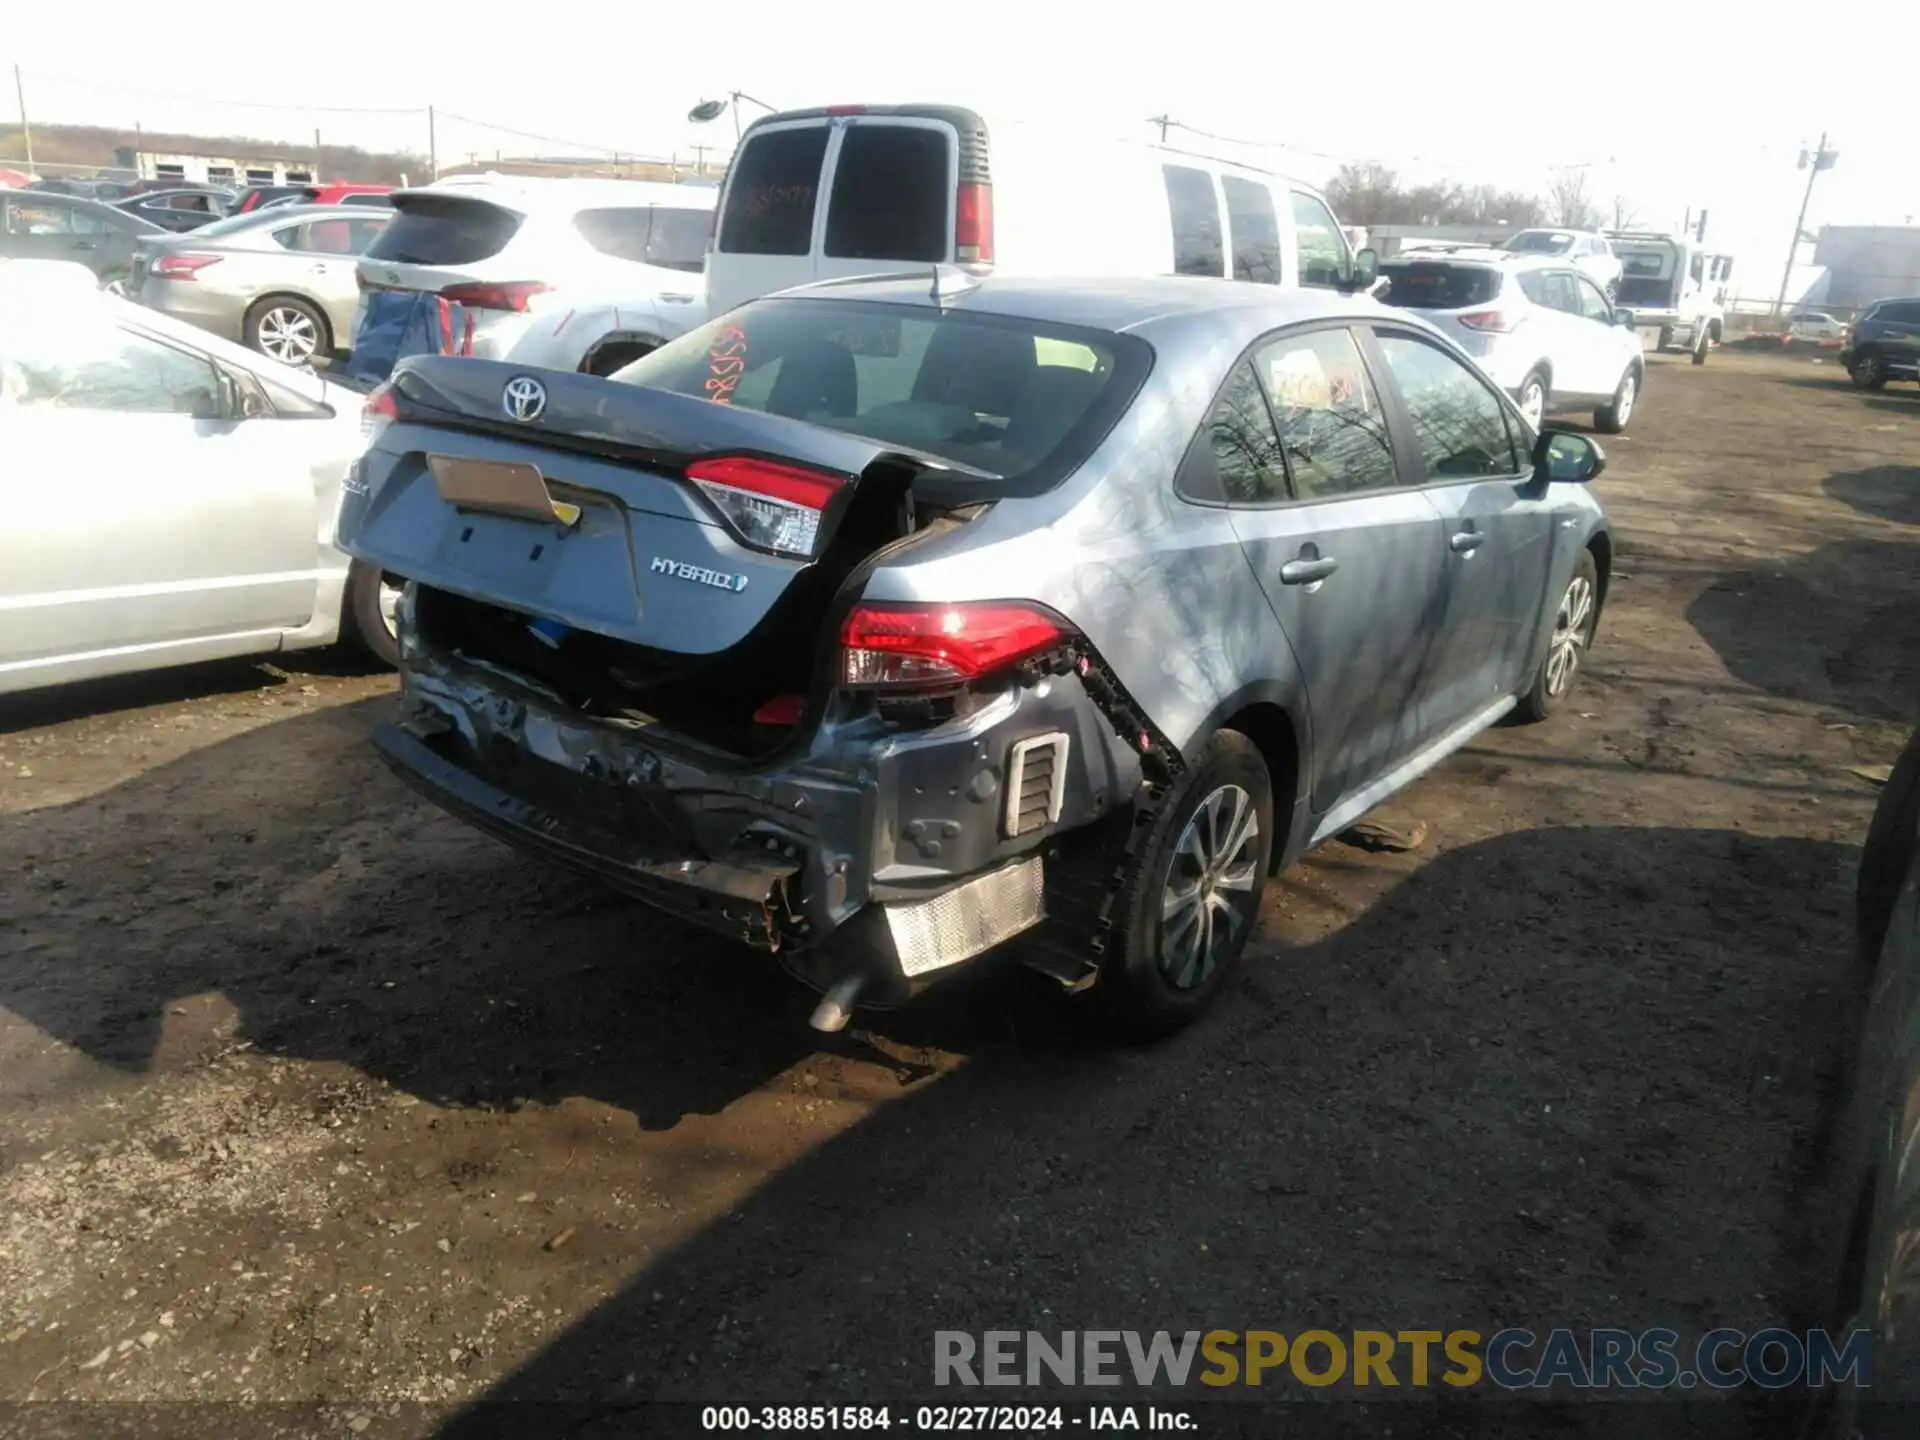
{"x":378,"y":411}
{"x":940,"y":644}
{"x":485,"y":295}
{"x":770,"y":505}
{"x":1498,"y":321}
{"x":781,"y":710}
{"x":846,"y":109}
{"x":181,"y":267}
{"x":973,"y":224}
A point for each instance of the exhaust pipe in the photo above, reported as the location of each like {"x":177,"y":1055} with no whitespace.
{"x":836,"y":1006}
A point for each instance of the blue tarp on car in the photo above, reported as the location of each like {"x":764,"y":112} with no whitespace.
{"x":396,"y":324}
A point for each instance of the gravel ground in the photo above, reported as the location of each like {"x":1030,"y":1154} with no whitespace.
{"x":310,"y":1094}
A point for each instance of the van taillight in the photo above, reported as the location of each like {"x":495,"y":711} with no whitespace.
{"x":499,"y":295}
{"x":973,"y":224}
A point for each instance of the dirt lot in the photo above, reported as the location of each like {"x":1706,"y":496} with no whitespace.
{"x":309,"y":1093}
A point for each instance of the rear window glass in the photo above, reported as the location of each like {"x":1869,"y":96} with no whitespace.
{"x":1021,"y":401}
{"x":1439,"y":287}
{"x":444,"y":230}
{"x":891,"y":193}
{"x":1646,"y":264}
{"x":771,"y":192}
{"x":1197,"y":246}
{"x":1255,"y":228}
{"x":675,"y":239}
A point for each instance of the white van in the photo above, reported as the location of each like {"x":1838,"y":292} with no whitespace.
{"x":907,"y":186}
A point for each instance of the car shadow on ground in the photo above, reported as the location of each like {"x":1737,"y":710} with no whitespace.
{"x":1521,"y":1084}
{"x":84,"y":699}
{"x":1888,"y":492}
{"x":1838,"y":626}
{"x":1509,"y":1092}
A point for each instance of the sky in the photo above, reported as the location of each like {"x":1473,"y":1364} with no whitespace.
{"x":1695,"y":104}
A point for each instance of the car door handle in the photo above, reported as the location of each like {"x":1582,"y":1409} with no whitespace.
{"x":1465,"y":542}
{"x":85,"y":245}
{"x":1305,"y":572}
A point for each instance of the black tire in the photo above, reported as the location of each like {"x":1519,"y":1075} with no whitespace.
{"x":366,"y":622}
{"x":1141,"y":992}
{"x":1540,"y":699}
{"x":268,"y":312}
{"x":1892,"y":838}
{"x":1535,"y":377}
{"x":1612,"y":419}
{"x":1868,"y":371}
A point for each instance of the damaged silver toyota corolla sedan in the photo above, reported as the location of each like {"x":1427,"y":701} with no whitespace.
{"x":881,"y":622}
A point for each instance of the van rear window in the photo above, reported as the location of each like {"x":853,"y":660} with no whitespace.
{"x":444,"y":230}
{"x":771,"y":193}
{"x":1439,"y":287}
{"x":1019,"y":403}
{"x":892,"y":189}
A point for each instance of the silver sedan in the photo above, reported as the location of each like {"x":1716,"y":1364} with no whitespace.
{"x":279,"y":281}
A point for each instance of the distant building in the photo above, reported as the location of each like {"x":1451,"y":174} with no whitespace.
{"x":212,"y":169}
{"x":1864,"y":263}
{"x":633,"y":168}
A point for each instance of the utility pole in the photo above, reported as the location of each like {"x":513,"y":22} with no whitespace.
{"x":433,"y":146}
{"x":700,"y":161}
{"x":1821,"y":159}
{"x":1163,"y":122}
{"x":26,"y":130}
{"x":317,"y":177}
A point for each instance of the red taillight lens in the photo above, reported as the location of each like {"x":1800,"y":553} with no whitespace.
{"x":770,"y":506}
{"x":940,"y":644}
{"x":506,"y":295}
{"x":378,"y":411}
{"x":1497,"y":322}
{"x":181,"y":267}
{"x":973,"y":224}
{"x":781,"y":710}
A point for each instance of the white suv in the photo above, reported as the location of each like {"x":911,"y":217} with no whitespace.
{"x":567,"y":274}
{"x":1583,"y":248}
{"x":1538,"y":326}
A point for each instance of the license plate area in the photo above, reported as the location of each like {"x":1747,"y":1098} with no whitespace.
{"x":500,"y":487}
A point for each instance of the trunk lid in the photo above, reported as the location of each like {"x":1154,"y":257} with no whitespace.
{"x":584,"y":513}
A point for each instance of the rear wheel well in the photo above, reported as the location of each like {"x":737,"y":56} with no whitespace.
{"x":611,"y":352}
{"x":1272,"y":733}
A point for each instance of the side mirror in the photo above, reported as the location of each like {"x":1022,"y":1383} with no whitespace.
{"x":1562,"y":457}
{"x":1366,"y":265}
{"x":1623,"y":318}
{"x":218,"y":401}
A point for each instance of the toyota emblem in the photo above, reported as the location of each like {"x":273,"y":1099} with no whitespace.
{"x":524,"y":399}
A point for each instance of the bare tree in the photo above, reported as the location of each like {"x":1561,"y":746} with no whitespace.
{"x":1569,"y":204}
{"x":1369,"y":193}
{"x":1626,"y":214}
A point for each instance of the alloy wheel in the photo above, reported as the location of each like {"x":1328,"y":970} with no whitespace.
{"x":1623,"y":403}
{"x":1572,"y":631}
{"x":288,"y":335}
{"x":391,"y":587}
{"x":1533,"y":403}
{"x":1212,"y":888}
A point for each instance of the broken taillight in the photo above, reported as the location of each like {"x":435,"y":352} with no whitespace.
{"x":925,"y":645}
{"x":769,"y":506}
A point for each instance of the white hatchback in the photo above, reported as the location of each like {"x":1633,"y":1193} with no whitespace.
{"x":1584,"y":249}
{"x":1538,"y":326}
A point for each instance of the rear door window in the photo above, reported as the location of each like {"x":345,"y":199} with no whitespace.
{"x":1333,"y":430}
{"x":772,"y":191}
{"x":1255,"y":230}
{"x":1426,"y":286}
{"x":1323,"y":248}
{"x":445,"y":230}
{"x":675,"y":239}
{"x":892,"y":189}
{"x":1197,"y":248}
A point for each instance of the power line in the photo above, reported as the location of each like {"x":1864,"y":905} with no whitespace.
{"x":543,"y":139}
